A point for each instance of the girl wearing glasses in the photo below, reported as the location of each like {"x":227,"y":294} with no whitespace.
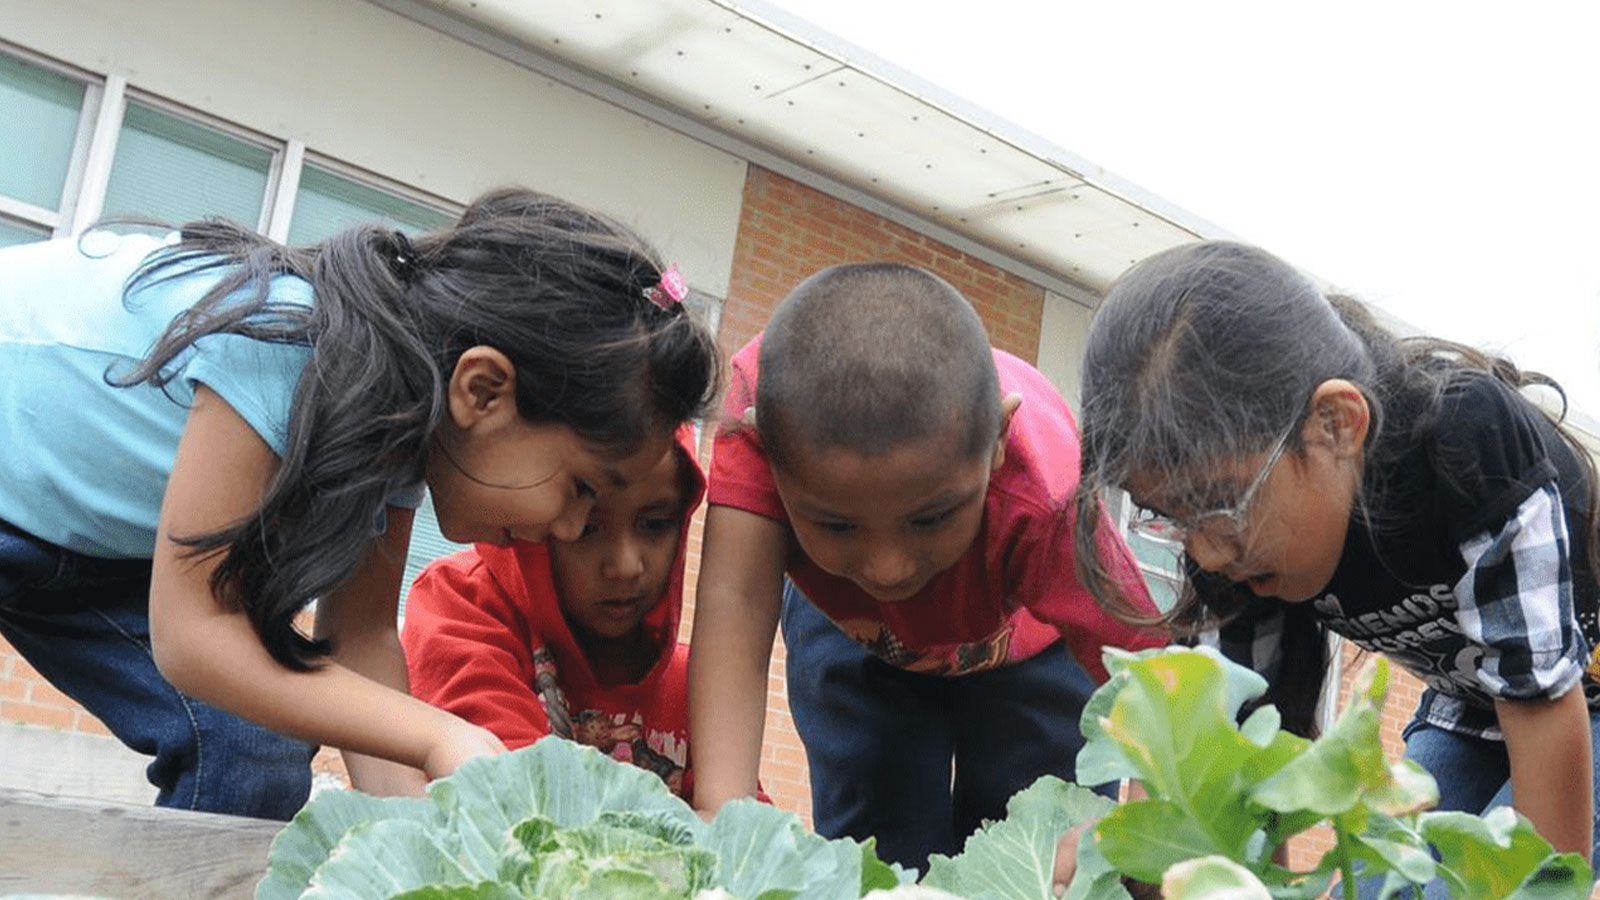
{"x":1322,"y":475}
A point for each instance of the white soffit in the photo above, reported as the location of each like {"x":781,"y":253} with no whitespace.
{"x":761,"y":77}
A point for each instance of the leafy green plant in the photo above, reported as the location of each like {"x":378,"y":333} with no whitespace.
{"x":561,"y":820}
{"x":558,"y":820}
{"x":1223,"y":795}
{"x":1015,"y":857}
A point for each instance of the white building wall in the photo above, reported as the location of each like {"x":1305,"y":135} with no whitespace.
{"x":1063,"y":327}
{"x":365,"y":86}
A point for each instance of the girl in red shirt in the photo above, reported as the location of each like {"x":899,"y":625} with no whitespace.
{"x":577,"y":639}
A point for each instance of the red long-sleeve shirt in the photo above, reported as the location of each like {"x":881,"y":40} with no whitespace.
{"x":485,"y":639}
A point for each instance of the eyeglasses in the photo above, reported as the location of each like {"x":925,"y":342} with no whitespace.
{"x":1228,"y":522}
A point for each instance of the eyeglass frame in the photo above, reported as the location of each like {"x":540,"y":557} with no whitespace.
{"x":1170,"y":530}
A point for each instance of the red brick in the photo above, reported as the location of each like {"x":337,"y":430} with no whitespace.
{"x":21,"y":669}
{"x":89,"y":724}
{"x":46,"y":694}
{"x":35,"y":714}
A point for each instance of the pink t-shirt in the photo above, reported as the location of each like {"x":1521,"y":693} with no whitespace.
{"x":1012,"y":594}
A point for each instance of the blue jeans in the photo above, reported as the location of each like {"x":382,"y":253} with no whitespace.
{"x":1474,"y":775}
{"x":84,"y":624}
{"x":881,"y":741}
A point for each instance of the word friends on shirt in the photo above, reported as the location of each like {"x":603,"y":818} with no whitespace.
{"x":1420,"y":630}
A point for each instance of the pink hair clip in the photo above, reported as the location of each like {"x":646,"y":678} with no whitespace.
{"x":671,"y":290}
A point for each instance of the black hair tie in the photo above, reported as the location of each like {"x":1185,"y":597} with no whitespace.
{"x":406,"y":261}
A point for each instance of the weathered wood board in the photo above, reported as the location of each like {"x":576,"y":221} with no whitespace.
{"x":67,"y":845}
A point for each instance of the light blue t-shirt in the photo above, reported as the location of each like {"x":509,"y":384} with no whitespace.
{"x":83,"y":463}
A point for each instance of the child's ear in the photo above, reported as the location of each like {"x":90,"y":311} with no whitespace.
{"x":483,"y":389}
{"x":1340,"y":415}
{"x":1008,"y":408}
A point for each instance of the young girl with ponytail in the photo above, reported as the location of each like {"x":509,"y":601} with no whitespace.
{"x":202,"y":435}
{"x":1320,"y":474}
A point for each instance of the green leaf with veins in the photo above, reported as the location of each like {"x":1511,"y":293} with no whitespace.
{"x":1174,"y":721}
{"x":1345,"y":768}
{"x":1489,"y":855}
{"x":1015,"y":857}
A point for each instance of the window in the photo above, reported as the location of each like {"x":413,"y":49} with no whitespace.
{"x":151,"y":158}
{"x":79,"y":148}
{"x":40,"y":114}
{"x":176,"y":169}
{"x":1160,"y":563}
{"x":328,"y":203}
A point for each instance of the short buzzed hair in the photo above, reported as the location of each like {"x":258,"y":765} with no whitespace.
{"x":869,"y":356}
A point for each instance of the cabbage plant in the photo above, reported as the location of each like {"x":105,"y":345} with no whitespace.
{"x":558,"y":820}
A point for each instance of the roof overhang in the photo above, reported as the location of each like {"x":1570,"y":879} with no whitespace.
{"x":758,"y":82}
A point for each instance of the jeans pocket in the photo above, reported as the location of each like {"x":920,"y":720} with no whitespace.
{"x":34,"y":567}
{"x":26,"y":563}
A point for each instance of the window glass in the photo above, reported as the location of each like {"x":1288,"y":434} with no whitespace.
{"x":328,"y":203}
{"x":1163,"y":590}
{"x":175,"y":170}
{"x":1160,"y":562}
{"x":39,"y":119}
{"x":1162,"y":565}
{"x":16,"y":233}
{"x":1153,"y":554}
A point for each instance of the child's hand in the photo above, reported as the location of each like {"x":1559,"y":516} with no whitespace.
{"x":1067,"y":864}
{"x":457,"y":744}
{"x":1066,"y":860}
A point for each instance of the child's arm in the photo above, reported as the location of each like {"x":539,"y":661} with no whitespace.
{"x":359,"y":619}
{"x":1515,"y":601}
{"x":470,"y":648}
{"x":210,"y":651}
{"x":1551,"y":773}
{"x":735,"y":618}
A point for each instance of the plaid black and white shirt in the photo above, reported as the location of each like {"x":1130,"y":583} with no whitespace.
{"x":1476,"y":587}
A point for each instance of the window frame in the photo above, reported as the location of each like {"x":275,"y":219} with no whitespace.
{"x":102,"y":182}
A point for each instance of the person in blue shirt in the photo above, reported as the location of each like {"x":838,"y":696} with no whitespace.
{"x":201,"y":435}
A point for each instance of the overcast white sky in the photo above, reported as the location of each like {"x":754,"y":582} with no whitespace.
{"x":1440,"y":159}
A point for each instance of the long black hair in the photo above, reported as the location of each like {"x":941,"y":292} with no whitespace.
{"x":1209,"y":352}
{"x":563,"y":292}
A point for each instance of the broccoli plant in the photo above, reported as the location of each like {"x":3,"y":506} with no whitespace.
{"x":1222,"y":795}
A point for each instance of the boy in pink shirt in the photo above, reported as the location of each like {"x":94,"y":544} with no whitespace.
{"x":904,"y":498}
